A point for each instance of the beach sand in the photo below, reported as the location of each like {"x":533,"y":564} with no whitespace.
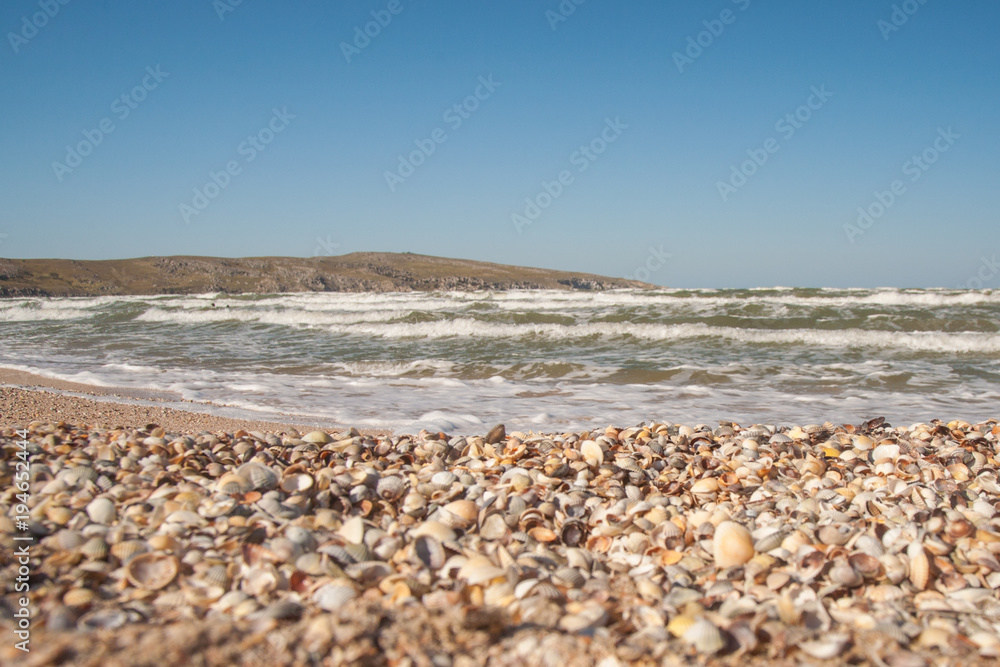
{"x":404,"y":616}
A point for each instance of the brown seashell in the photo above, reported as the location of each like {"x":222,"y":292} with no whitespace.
{"x":542,"y":534}
{"x":732,"y":545}
{"x":496,"y":434}
{"x":233,"y":483}
{"x":151,"y":571}
{"x":572,"y":533}
{"x":126,"y":550}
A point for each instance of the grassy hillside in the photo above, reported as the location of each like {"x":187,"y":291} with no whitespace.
{"x":356,"y":272}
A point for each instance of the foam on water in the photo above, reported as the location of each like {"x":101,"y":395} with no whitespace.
{"x":458,"y":361}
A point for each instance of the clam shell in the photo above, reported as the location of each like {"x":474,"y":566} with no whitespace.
{"x":732,"y":545}
{"x":704,"y":636}
{"x":151,"y":571}
{"x":232,"y":483}
{"x":592,"y":452}
{"x":429,"y":551}
{"x":102,"y":510}
{"x":296,"y":482}
{"x":496,"y":434}
{"x":334,"y":595}
{"x":920,"y":566}
{"x":260,"y":477}
{"x":391,"y":488}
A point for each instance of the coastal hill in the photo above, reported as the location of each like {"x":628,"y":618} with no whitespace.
{"x":356,"y":272}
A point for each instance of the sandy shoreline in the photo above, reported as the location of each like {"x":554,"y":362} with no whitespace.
{"x":27,"y":397}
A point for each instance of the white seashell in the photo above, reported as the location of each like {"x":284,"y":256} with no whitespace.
{"x":334,"y":595}
{"x":704,"y":636}
{"x":101,"y":510}
{"x":830,"y":646}
{"x":732,"y":545}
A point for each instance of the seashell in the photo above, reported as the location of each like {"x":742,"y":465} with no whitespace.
{"x":706,"y":485}
{"x":592,"y":452}
{"x":769,"y":541}
{"x":866,"y":565}
{"x":126,"y":550}
{"x":572,"y":533}
{"x":353,"y":530}
{"x":101,"y":510}
{"x":435,"y":529}
{"x":151,"y":571}
{"x":368,"y":572}
{"x":429,"y":551}
{"x":317,"y":437}
{"x":496,"y":434}
{"x":829,"y":646}
{"x":464,"y":511}
{"x":732,"y":545}
{"x":843,"y":574}
{"x":543,"y":534}
{"x":704,"y":636}
{"x":571,"y":577}
{"x":494,"y":527}
{"x":837,"y":534}
{"x":920,"y":566}
{"x":479,"y":570}
{"x":296,"y":483}
{"x":232,"y":483}
{"x":59,"y":515}
{"x":870,"y":545}
{"x":334,"y":595}
{"x":95,"y":548}
{"x":260,"y":477}
{"x":984,"y":508}
{"x":885,"y":593}
{"x":79,"y":597}
{"x":391,"y":488}
{"x":67,"y":540}
{"x":104,"y":619}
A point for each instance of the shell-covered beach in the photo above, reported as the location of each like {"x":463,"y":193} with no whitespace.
{"x":656,"y":543}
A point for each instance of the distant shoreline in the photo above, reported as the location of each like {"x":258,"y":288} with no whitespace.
{"x":356,"y":272}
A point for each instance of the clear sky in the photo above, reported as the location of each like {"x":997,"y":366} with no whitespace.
{"x":670,"y":100}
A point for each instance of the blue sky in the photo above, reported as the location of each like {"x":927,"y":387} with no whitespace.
{"x":329,"y":130}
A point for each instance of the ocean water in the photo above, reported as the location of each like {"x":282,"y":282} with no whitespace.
{"x":547,"y":360}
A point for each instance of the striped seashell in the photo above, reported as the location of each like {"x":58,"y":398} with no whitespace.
{"x":984,"y":508}
{"x":126,"y":550}
{"x":233,"y":483}
{"x":704,"y":636}
{"x":868,"y":544}
{"x":95,"y":548}
{"x":259,"y":475}
{"x":391,"y":487}
{"x":334,"y":595}
{"x":81,"y":474}
{"x":368,"y":572}
{"x":520,"y":435}
{"x":496,"y":434}
{"x":569,"y":576}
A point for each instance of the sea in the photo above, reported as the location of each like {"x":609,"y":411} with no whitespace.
{"x":461,"y":362}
